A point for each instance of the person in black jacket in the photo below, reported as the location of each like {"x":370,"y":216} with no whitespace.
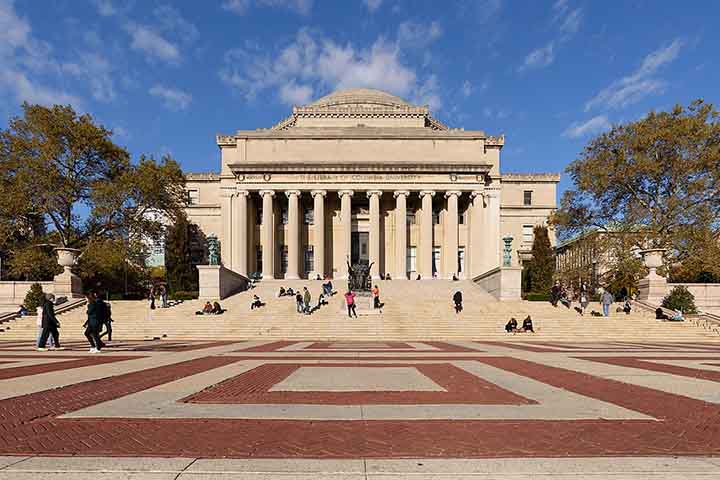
{"x":49,"y":325}
{"x":93,"y":323}
{"x":457,"y":299}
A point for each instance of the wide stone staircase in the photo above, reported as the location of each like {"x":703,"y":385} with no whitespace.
{"x":413,"y":310}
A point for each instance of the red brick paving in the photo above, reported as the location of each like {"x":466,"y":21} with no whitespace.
{"x":268,"y":347}
{"x":687,"y":426}
{"x":72,"y":362}
{"x":252,"y":387}
{"x":642,"y":363}
{"x":378,"y":345}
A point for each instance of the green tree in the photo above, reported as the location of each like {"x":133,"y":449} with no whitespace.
{"x":64,"y":169}
{"x":113,"y":265}
{"x":542,"y":266}
{"x":33,"y":263}
{"x":680,"y":298}
{"x":657,"y":177}
{"x":181,"y":274}
{"x":34,"y":298}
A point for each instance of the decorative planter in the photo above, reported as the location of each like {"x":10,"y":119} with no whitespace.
{"x":67,"y":257}
{"x":653,"y":259}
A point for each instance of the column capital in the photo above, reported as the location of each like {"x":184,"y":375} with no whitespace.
{"x":370,"y":193}
{"x":242,"y":192}
{"x":427,"y":192}
{"x":227,"y":192}
{"x":397,"y":193}
{"x":315,"y":193}
{"x":342,"y":193}
{"x":450,"y":193}
{"x":290,"y":193}
{"x":477,"y":193}
{"x":267,"y":192}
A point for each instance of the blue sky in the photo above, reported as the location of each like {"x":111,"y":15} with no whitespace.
{"x":167,"y":76}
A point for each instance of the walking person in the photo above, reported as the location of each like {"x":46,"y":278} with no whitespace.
{"x":584,"y":299}
{"x":457,"y":300}
{"x":306,"y":300}
{"x":93,"y":323}
{"x":164,"y":296}
{"x":607,"y":299}
{"x":350,"y":302}
{"x":107,"y":321}
{"x":50,"y":325}
{"x":152,"y":298}
{"x":299,"y":302}
{"x":376,"y":296}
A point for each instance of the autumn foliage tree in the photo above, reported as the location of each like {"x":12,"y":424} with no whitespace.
{"x":658,"y":177}
{"x":64,"y":182}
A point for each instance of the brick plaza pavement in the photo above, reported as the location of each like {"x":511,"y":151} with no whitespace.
{"x":361,"y":409}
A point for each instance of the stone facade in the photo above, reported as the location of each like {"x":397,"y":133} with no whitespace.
{"x":334,"y":180}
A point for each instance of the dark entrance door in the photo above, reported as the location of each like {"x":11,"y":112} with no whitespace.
{"x":360,"y":248}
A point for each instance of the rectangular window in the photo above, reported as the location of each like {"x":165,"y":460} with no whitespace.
{"x":258,"y":258}
{"x":284,"y":216}
{"x":193,"y":197}
{"x":283,"y":258}
{"x":309,"y":216}
{"x":461,"y":260}
{"x":461,"y":218}
{"x":309,"y":259}
{"x":411,"y":259}
{"x":411,"y":220}
{"x":527,"y":234}
{"x":436,"y":218}
{"x":527,"y":197}
{"x":436,"y":260}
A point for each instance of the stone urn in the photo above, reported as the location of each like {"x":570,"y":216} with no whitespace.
{"x":653,"y":259}
{"x":67,"y":257}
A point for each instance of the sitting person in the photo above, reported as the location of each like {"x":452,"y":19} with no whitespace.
{"x":207,"y":309}
{"x":660,"y":315}
{"x":217,"y":309}
{"x":22,"y":311}
{"x":677,"y":316}
{"x":281,"y":293}
{"x":290,"y":292}
{"x":511,"y":326}
{"x":527,"y":325}
{"x":627,"y":308}
{"x":388,"y":277}
{"x":328,"y":288}
{"x":256,"y":303}
{"x":322,"y":300}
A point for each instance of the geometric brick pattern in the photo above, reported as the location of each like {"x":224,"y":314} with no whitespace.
{"x":253,"y":387}
{"x":678,"y":424}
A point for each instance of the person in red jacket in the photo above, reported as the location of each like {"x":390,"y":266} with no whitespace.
{"x":350,"y":301}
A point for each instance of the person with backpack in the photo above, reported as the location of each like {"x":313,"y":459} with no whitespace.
{"x":457,"y":300}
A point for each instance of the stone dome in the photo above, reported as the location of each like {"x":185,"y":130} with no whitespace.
{"x":360,"y":96}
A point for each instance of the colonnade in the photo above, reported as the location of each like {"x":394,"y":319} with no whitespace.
{"x":483,"y":235}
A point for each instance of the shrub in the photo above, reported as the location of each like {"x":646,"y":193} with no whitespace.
{"x":34,"y":298}
{"x":680,"y":298}
{"x":183,"y":295}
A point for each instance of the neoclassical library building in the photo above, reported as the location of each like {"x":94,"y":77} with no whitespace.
{"x":362,"y":176}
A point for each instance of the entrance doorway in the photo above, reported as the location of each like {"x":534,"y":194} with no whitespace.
{"x":360,"y":248}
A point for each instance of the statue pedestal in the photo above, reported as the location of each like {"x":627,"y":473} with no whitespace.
{"x":217,"y":282}
{"x":363,"y":305}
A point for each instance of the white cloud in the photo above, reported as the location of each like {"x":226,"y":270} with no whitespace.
{"x":639,"y":84}
{"x":24,"y":58}
{"x":539,"y":58}
{"x":310,"y":66}
{"x":373,"y":5}
{"x":571,"y":23}
{"x":105,"y":7}
{"x":418,"y":35}
{"x":172,"y":98}
{"x":467,"y":88}
{"x":592,"y":126}
{"x":241,"y":7}
{"x":98,"y":72}
{"x":146,"y":40}
{"x":170,"y":20}
{"x":294,"y":94}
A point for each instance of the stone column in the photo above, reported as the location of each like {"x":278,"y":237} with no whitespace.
{"x":426,"y":235}
{"x":293,"y":241}
{"x":478,"y":245}
{"x":319,"y":221}
{"x":374,"y":196}
{"x":267,"y":236}
{"x":346,"y":219}
{"x":492,"y":226}
{"x":401,"y":234}
{"x":451,"y":234}
{"x":240,"y":232}
{"x":226,"y":221}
